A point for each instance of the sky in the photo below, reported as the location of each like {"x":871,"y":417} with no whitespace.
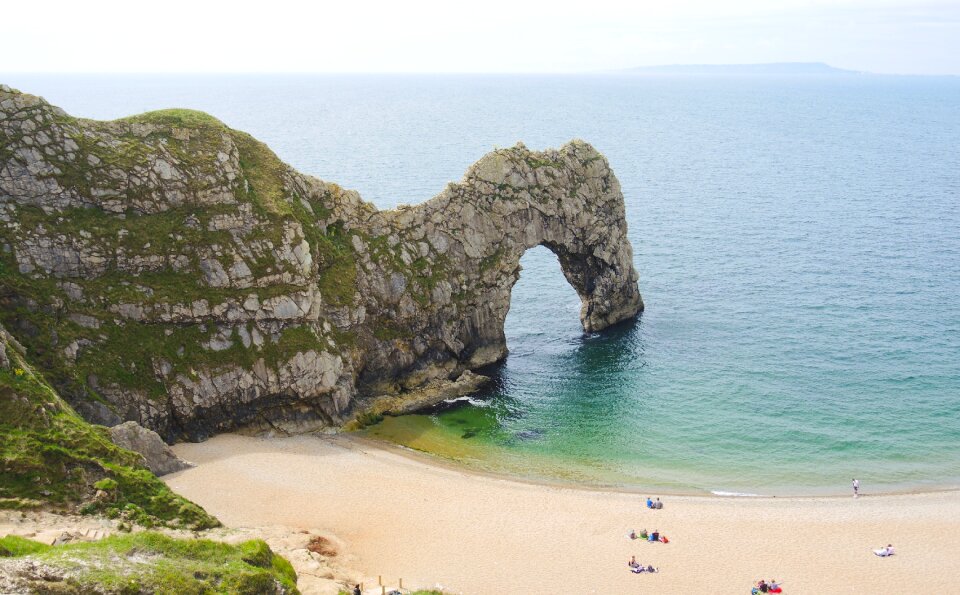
{"x":883,"y":36}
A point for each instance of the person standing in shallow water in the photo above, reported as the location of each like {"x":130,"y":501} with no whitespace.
{"x":856,"y":488}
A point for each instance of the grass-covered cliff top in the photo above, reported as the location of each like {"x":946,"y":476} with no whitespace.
{"x":147,"y":562}
{"x":51,"y":457}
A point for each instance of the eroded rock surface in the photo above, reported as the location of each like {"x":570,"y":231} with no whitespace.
{"x":174,"y":272}
{"x":157,"y":456}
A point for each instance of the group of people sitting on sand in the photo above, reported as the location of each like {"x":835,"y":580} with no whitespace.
{"x":637,"y":568}
{"x":765,"y":587}
{"x":655,"y":536}
{"x":651,"y":537}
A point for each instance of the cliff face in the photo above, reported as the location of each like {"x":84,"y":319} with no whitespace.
{"x":169,"y":270}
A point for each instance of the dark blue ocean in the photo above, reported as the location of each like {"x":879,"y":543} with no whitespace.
{"x":797,"y":238}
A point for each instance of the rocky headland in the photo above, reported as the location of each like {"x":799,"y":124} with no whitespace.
{"x":168,"y":270}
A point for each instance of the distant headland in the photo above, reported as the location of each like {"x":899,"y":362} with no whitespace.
{"x":778,"y":68}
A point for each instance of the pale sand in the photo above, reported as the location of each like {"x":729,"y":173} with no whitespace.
{"x":401,"y":516}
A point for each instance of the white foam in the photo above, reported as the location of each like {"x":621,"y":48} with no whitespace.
{"x":735,"y":494}
{"x":470,"y":400}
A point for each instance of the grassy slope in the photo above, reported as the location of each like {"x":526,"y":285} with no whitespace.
{"x":50,"y":456}
{"x":150,"y":562}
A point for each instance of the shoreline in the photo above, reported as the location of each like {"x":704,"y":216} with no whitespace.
{"x":399,"y":514}
{"x":428,"y":458}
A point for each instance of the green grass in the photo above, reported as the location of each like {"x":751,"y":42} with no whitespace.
{"x":177,"y":118}
{"x":337,"y":262}
{"x":11,"y":546}
{"x":51,"y":457}
{"x":150,"y":562}
{"x":264,"y":171}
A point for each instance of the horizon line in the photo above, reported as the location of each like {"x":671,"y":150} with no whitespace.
{"x":626,"y":71}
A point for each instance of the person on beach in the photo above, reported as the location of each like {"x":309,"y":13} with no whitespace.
{"x":649,"y":502}
{"x":356,"y":590}
{"x":658,"y":504}
{"x":643,"y":534}
{"x":856,"y":488}
{"x":633,"y":534}
{"x":884,"y":551}
{"x":655,"y":536}
{"x":774,"y":587}
{"x":633,"y":562}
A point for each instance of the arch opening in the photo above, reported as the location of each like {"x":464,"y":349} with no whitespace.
{"x":544,"y":307}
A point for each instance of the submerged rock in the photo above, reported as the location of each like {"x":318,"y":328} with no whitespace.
{"x":177,"y":270}
{"x":527,"y":435}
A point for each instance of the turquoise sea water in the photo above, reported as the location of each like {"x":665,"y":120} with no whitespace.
{"x":798,"y":243}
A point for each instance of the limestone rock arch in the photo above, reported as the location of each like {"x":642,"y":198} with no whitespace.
{"x":567,"y":200}
{"x":176,"y":273}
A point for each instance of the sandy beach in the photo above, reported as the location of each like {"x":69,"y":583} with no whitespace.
{"x":399,"y":515}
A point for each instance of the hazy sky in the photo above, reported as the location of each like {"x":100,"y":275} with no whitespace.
{"x":888,"y":36}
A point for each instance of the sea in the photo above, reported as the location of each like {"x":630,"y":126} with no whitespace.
{"x":797,"y":239}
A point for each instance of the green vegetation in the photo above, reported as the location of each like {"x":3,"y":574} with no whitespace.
{"x":149,"y":562}
{"x":388,"y":330}
{"x":338,"y":264}
{"x":11,"y":546}
{"x":177,"y":118}
{"x":488,"y":262}
{"x":49,"y":455}
{"x":264,"y":172}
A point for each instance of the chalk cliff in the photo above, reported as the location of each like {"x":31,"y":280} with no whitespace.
{"x":169,"y":270}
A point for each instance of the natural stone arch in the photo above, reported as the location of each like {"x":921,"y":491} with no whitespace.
{"x":185,"y":278}
{"x":567,"y":200}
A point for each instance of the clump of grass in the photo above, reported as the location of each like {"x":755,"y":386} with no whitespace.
{"x":150,"y":562}
{"x":12,"y":546}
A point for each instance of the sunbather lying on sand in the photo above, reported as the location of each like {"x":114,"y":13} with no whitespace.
{"x":884,"y":551}
{"x":640,"y":568}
